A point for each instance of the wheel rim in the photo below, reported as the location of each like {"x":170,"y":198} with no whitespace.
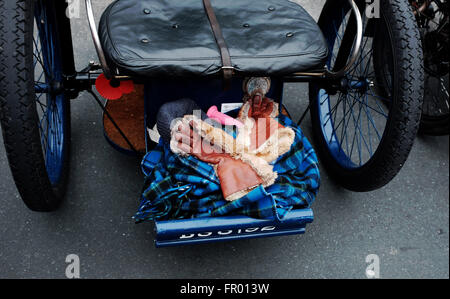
{"x":353,"y":120}
{"x":434,"y":27}
{"x":50,"y":101}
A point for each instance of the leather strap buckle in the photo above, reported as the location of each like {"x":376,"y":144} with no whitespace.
{"x":227,"y":67}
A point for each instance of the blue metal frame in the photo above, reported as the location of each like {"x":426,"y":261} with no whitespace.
{"x":53,"y":121}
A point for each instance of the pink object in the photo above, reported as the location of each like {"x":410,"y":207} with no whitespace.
{"x":222,"y":118}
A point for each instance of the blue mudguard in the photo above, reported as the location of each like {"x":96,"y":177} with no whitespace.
{"x":211,"y":229}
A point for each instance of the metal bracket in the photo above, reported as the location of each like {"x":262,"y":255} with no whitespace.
{"x":96,"y":40}
{"x":356,"y":49}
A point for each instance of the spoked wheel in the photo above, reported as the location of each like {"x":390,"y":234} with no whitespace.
{"x":35,"y":111}
{"x":365,"y":125}
{"x":435,"y":113}
{"x":433,"y":20}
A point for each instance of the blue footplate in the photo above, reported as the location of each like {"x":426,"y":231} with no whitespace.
{"x":227,"y":228}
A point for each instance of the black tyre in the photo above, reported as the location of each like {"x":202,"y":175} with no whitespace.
{"x":34,"y":109}
{"x":433,"y":21}
{"x":365,"y":126}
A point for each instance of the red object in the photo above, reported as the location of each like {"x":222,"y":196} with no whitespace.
{"x":109,"y":92}
{"x":127,"y":86}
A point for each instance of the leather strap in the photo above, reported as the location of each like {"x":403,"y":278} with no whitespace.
{"x":227,"y":67}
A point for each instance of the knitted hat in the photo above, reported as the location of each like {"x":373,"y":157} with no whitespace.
{"x":173,"y":110}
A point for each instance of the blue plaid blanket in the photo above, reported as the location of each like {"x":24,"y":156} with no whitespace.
{"x":179,"y":187}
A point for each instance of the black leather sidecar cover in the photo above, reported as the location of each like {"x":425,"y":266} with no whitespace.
{"x":174,"y":37}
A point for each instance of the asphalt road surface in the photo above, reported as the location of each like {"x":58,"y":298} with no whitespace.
{"x":405,"y":223}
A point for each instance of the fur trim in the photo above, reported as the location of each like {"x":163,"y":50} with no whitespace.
{"x":276,"y":110}
{"x":243,"y":139}
{"x":276,"y":145}
{"x":214,"y":135}
{"x":176,"y":150}
{"x":243,"y":113}
{"x":173,"y":143}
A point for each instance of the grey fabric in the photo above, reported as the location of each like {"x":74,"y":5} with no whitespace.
{"x":174,"y":38}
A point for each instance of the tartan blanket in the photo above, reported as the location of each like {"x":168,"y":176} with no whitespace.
{"x":178,"y":187}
